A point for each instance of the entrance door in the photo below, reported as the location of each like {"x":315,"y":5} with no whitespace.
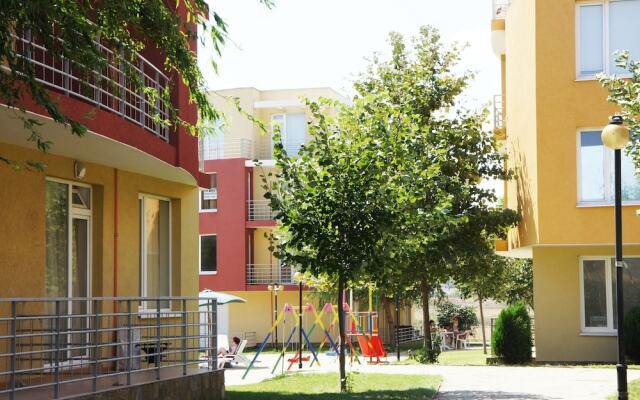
{"x":68,"y":263}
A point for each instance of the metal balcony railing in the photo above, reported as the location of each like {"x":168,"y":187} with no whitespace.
{"x":112,"y":89}
{"x":498,"y":122}
{"x":260,"y":210}
{"x":65,"y":347}
{"x":500,"y":8}
{"x":229,"y":148}
{"x":265,"y":149}
{"x":266,"y":274}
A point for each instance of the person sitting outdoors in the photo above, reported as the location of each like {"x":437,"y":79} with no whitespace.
{"x":232,"y":349}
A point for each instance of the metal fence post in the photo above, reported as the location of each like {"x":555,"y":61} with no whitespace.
{"x":56,"y":387}
{"x":157,"y":339}
{"x":184,"y":337}
{"x":13,"y":349}
{"x":122,"y":81}
{"x":129,"y":343}
{"x":96,"y":338}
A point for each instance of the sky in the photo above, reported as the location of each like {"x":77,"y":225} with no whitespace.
{"x":310,"y":43}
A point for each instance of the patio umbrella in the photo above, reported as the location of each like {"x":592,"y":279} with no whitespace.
{"x":221,"y":298}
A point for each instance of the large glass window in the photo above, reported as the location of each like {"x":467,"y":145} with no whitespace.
{"x":208,"y":254}
{"x":155,"y":248}
{"x":598,"y":276}
{"x":604,"y":28}
{"x":596,"y":171}
{"x":293,"y":129}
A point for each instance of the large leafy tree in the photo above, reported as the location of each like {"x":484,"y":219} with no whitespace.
{"x":335,"y":201}
{"x":68,"y":29}
{"x":448,"y":155}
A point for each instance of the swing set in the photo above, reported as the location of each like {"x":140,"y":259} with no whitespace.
{"x":289,"y":319}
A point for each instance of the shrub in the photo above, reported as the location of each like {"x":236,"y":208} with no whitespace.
{"x":467,"y":318}
{"x":632,"y":334}
{"x":427,"y":356}
{"x":511,"y":338}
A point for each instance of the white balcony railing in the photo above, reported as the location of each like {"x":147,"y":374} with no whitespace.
{"x":112,"y":89}
{"x":266,"y":274}
{"x":498,"y":122}
{"x":229,"y":148}
{"x":260,"y":210}
{"x":500,"y":8}
{"x":265,"y":149}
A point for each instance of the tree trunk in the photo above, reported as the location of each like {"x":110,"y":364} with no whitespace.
{"x":484,"y":339}
{"x":389,"y":321}
{"x":426,"y":326}
{"x":343,"y":337}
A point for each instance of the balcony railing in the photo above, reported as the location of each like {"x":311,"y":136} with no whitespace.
{"x":260,"y":210}
{"x":500,"y":8}
{"x":266,"y":274}
{"x":229,"y":148}
{"x":112,"y":88}
{"x":498,"y":122}
{"x":265,"y":149}
{"x":59,"y":347}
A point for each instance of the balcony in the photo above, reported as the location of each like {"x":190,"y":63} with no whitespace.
{"x":260,"y":210}
{"x":111,"y":89}
{"x":265,"y":149}
{"x":211,"y":149}
{"x":266,"y":274}
{"x":498,"y":110}
{"x":500,"y":8}
{"x":65,"y":347}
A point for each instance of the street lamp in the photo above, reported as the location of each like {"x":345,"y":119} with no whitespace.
{"x":615,"y":136}
{"x":299,"y":277}
{"x":275,"y":288}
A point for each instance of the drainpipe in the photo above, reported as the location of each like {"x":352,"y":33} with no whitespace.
{"x":115,"y":239}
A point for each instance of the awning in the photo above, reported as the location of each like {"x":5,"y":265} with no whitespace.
{"x":221,"y":298}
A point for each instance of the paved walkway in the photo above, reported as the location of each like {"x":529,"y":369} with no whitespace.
{"x":477,"y":382}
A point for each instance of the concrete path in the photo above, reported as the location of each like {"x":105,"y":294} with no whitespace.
{"x":476,"y":382}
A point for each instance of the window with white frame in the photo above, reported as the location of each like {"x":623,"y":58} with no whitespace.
{"x":595,"y":172}
{"x":604,"y":27}
{"x":208,"y":254}
{"x":293,"y":130}
{"x":598,"y":292}
{"x":155,"y":249}
{"x":209,"y":197}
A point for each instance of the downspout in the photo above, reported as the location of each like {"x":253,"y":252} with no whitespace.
{"x":115,"y":239}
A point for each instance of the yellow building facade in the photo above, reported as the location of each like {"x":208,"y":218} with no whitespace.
{"x":553,"y":111}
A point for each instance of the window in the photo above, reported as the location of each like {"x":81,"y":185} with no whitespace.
{"x":604,"y":27}
{"x":598,"y":292}
{"x":595,"y":172}
{"x":155,"y":260}
{"x":293,"y":130}
{"x":209,"y":198}
{"x":208,"y":254}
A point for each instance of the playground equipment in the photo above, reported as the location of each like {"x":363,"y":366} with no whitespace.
{"x":362,"y":325}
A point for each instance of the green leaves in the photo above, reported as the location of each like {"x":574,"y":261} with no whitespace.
{"x":69,"y":29}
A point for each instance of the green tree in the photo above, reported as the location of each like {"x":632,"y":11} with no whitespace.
{"x":518,"y":282}
{"x":68,"y":29}
{"x":447,"y":156}
{"x":334,"y":202}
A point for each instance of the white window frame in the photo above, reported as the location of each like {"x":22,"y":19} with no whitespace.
{"x":608,"y":182}
{"x":208,"y":210}
{"x":606,"y":50}
{"x":200,"y":255}
{"x":144,"y":307}
{"x":599,"y":331}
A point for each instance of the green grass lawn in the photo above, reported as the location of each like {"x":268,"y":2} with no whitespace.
{"x":326,"y":386}
{"x":634,"y":391}
{"x":457,"y":357}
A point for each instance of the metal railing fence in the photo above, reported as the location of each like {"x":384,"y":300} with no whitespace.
{"x":63,"y":346}
{"x":264,"y":150}
{"x":113,"y":88}
{"x":498,"y":121}
{"x":260,"y":210}
{"x":266,"y":274}
{"x":229,"y":148}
